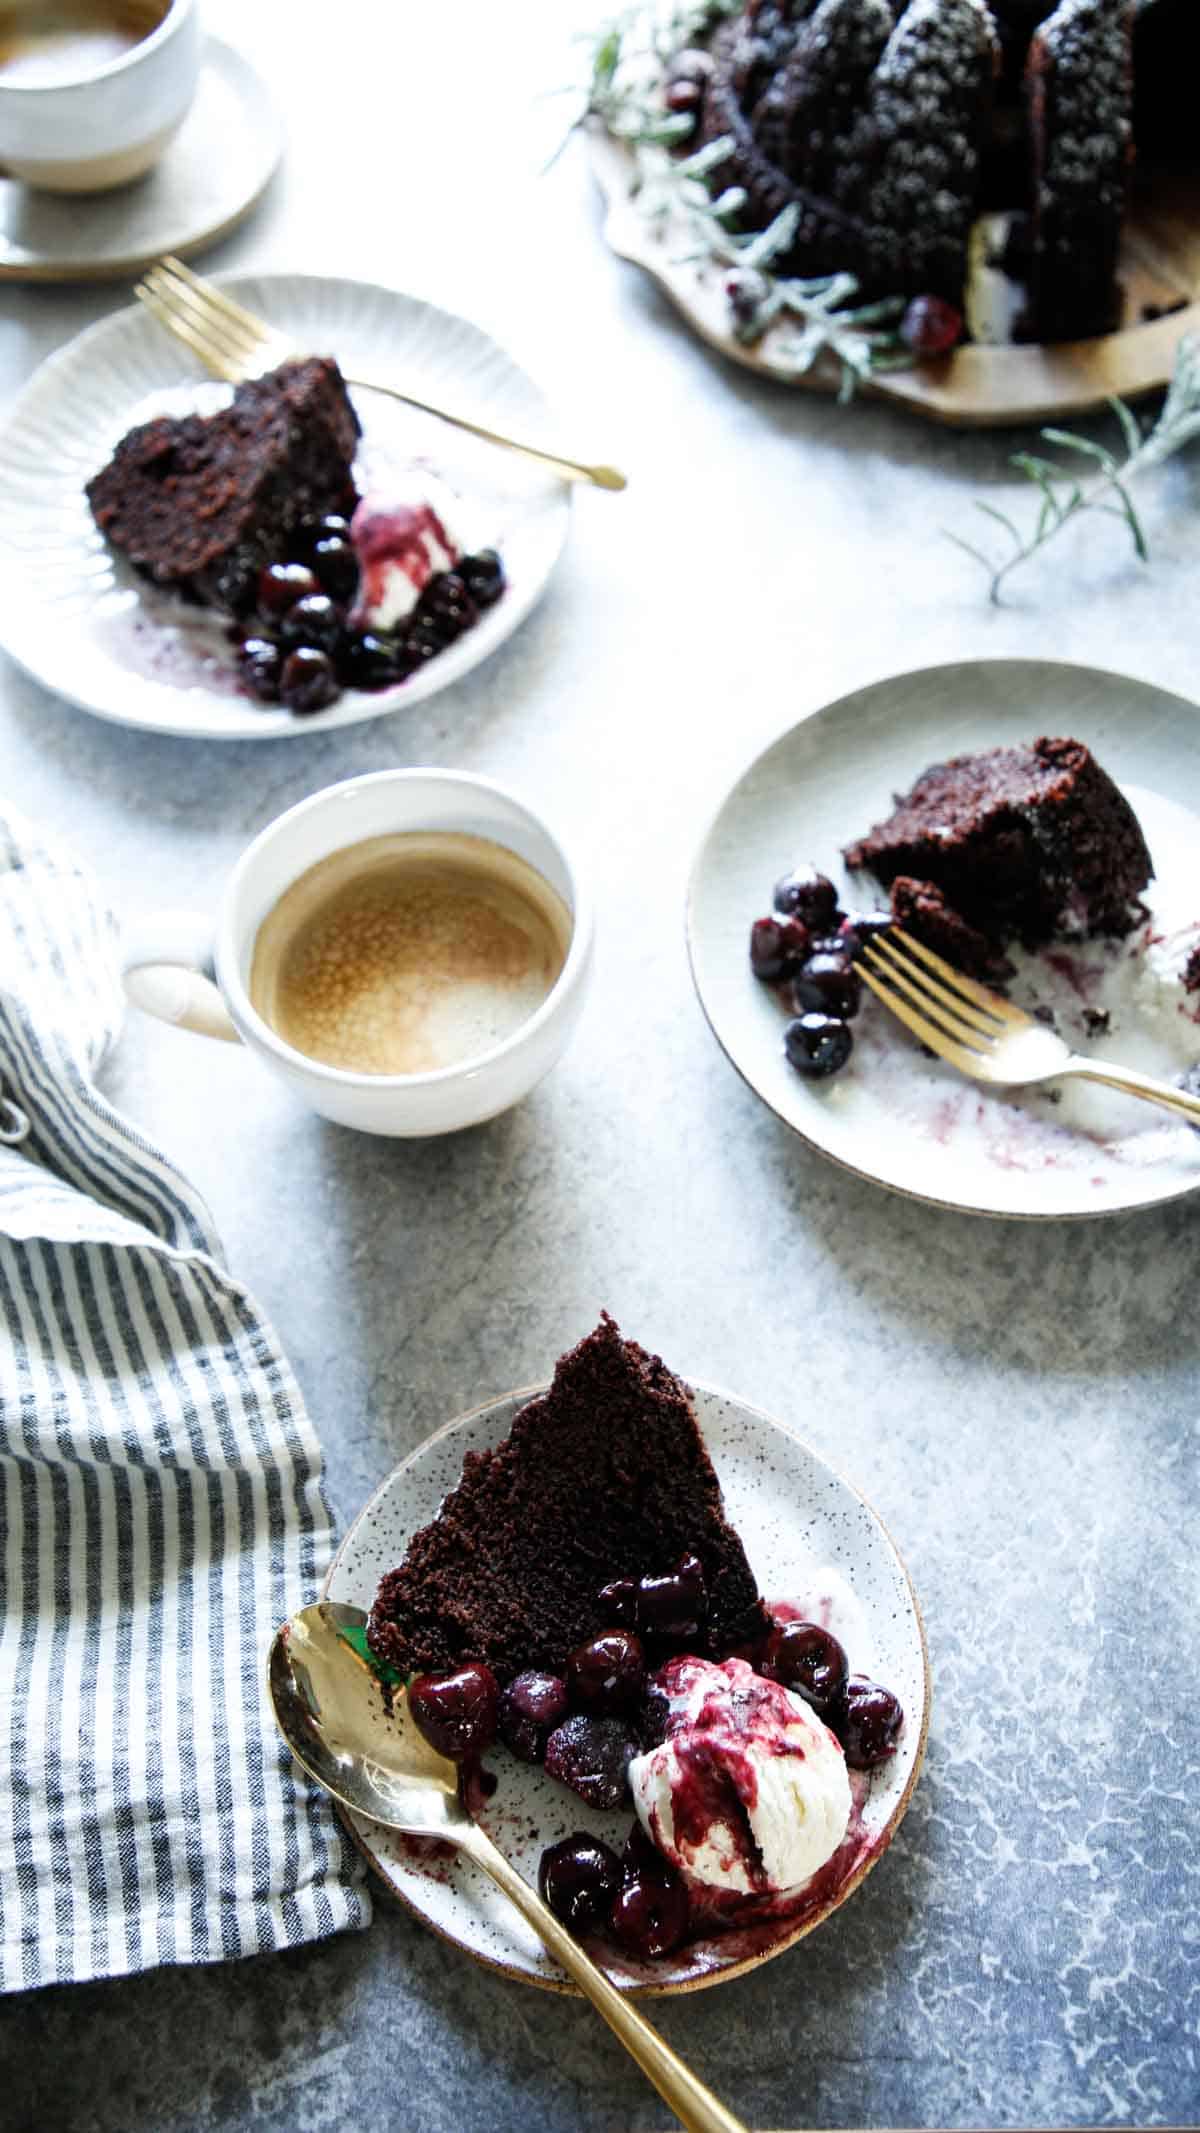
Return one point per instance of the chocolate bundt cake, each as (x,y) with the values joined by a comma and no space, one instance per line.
(888,125)
(1020,843)
(202,502)
(604,1476)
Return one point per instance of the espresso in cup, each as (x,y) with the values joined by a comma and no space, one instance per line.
(44,42)
(409,953)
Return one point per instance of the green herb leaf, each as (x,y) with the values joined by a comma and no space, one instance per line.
(1062,495)
(356,1638)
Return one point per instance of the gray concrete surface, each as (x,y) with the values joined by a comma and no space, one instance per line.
(1020,1403)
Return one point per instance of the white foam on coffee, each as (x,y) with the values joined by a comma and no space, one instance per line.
(409,953)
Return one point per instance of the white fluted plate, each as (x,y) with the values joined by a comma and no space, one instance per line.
(796,1518)
(88,628)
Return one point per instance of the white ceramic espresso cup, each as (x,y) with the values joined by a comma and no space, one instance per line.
(196,974)
(111,124)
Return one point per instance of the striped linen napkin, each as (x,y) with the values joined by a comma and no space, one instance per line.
(161,1509)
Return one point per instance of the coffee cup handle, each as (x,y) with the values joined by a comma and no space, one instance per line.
(167,970)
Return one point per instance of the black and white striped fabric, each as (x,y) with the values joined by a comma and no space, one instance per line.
(161,1509)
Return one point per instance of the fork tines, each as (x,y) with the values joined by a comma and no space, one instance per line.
(938,1003)
(230,340)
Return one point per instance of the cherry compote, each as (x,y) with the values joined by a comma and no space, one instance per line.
(579,1878)
(869,1723)
(457,1712)
(805,1657)
(608,1673)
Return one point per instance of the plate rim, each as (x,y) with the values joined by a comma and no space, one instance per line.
(217,52)
(520,605)
(871,1177)
(671,1989)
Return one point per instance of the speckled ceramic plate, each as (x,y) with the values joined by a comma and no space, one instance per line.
(84,625)
(894,1114)
(797,1518)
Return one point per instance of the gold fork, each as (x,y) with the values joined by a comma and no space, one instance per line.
(984,1035)
(234,344)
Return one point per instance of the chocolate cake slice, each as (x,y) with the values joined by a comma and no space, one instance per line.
(604,1476)
(201,503)
(1024,842)
(922,910)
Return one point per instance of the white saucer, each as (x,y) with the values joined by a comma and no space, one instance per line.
(84,625)
(211,175)
(796,1518)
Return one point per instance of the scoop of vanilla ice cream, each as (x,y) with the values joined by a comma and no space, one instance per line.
(403,537)
(748,1791)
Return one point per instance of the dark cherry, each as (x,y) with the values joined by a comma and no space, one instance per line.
(448,601)
(331,526)
(682,96)
(807,894)
(778,946)
(579,1878)
(827,984)
(868,1724)
(280,585)
(818,1044)
(307,681)
(483,576)
(365,661)
(530,1708)
(654,1714)
(336,568)
(608,1673)
(804,1657)
(260,660)
(457,1712)
(618,1602)
(592,1756)
(314,620)
(650,1915)
(673,1607)
(860,928)
(930,327)
(422,641)
(747,290)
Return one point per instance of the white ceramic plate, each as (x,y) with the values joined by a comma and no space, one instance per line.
(894,1115)
(211,175)
(796,1517)
(85,626)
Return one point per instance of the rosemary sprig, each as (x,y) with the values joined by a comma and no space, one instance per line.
(1066,496)
(683,193)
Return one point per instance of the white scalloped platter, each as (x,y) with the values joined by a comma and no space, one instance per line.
(895,1114)
(88,628)
(797,1519)
(979,386)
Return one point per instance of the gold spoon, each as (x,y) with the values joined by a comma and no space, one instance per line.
(331,1711)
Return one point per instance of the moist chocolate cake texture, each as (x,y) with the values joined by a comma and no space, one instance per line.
(604,1476)
(1014,843)
(887,126)
(201,503)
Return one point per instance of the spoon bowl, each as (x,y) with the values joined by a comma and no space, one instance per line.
(358,1739)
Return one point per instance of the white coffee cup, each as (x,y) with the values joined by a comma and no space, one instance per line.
(111,123)
(190,972)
